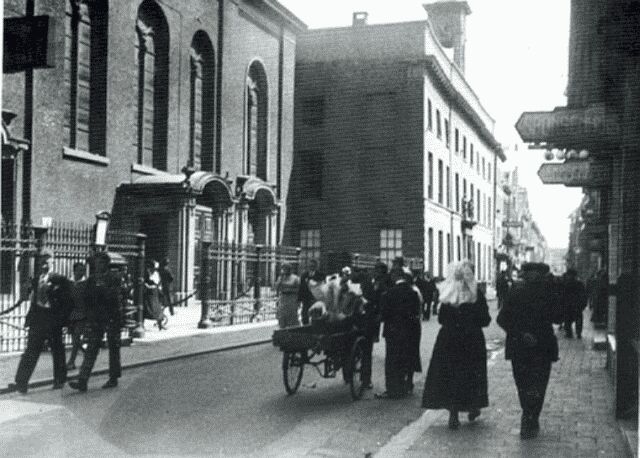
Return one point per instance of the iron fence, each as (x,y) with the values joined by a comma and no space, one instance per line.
(70,243)
(238,284)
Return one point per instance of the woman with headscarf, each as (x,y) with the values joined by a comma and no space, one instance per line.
(287,287)
(457,375)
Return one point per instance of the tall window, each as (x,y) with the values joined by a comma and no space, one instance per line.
(430,247)
(430,171)
(478,262)
(440,182)
(390,245)
(438,124)
(85,73)
(489,172)
(478,207)
(448,190)
(471,195)
(310,245)
(457,192)
(464,148)
(456,140)
(429,115)
(447,136)
(490,209)
(458,248)
(202,98)
(484,176)
(449,249)
(311,176)
(440,254)
(153,83)
(471,154)
(256,121)
(464,188)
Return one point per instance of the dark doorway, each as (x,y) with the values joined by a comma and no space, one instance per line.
(156,229)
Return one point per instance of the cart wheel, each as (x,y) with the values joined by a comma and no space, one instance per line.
(292,369)
(355,368)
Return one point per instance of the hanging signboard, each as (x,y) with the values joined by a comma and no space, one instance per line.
(575,174)
(570,127)
(28,43)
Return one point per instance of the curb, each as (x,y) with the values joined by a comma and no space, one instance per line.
(40,383)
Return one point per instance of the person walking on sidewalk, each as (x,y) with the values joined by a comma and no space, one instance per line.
(574,301)
(78,315)
(51,303)
(153,295)
(103,301)
(402,328)
(457,375)
(166,280)
(531,344)
(287,287)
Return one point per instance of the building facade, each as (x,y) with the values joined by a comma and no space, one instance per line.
(394,154)
(176,117)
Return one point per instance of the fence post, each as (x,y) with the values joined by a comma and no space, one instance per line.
(204,322)
(138,332)
(39,233)
(256,284)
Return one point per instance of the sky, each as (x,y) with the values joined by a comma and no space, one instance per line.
(517,60)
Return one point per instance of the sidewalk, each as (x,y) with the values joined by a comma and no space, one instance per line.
(577,419)
(181,339)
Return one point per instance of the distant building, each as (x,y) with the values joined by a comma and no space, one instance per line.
(394,154)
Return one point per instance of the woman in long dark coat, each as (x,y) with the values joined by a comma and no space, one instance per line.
(457,375)
(153,294)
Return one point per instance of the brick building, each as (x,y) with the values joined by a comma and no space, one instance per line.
(394,154)
(141,89)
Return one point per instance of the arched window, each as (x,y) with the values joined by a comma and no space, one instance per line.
(85,74)
(153,81)
(256,121)
(202,103)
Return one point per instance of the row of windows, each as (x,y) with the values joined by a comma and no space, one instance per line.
(481,209)
(482,165)
(483,256)
(85,66)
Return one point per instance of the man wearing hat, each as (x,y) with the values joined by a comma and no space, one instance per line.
(103,299)
(51,303)
(531,345)
(400,308)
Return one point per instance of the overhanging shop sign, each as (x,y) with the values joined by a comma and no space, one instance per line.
(574,174)
(570,127)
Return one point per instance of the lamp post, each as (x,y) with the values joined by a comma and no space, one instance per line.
(205,287)
(256,284)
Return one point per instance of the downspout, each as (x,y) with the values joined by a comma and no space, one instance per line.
(218,152)
(279,137)
(28,132)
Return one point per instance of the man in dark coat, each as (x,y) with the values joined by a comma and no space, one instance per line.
(402,329)
(531,344)
(502,288)
(103,305)
(304,293)
(574,301)
(51,304)
(166,279)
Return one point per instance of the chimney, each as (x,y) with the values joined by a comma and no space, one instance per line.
(448,21)
(360,18)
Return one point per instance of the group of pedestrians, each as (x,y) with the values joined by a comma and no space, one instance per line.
(88,306)
(456,378)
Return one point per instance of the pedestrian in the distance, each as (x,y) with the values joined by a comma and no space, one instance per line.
(531,344)
(457,375)
(402,328)
(103,299)
(502,288)
(51,304)
(287,287)
(305,295)
(77,318)
(166,280)
(428,295)
(153,295)
(574,301)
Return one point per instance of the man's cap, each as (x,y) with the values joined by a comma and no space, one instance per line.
(539,267)
(47,253)
(346,271)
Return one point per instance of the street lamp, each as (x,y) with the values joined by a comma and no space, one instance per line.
(102,224)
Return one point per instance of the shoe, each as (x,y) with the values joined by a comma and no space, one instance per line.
(80,385)
(57,386)
(111,383)
(528,428)
(473,414)
(71,367)
(385,395)
(454,423)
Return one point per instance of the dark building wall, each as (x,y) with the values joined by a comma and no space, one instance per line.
(370,141)
(74,190)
